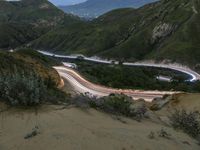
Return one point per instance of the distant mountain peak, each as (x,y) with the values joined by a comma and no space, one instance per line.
(95,8)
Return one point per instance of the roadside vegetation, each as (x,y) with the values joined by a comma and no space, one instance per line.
(124,77)
(189,122)
(27,79)
(116,104)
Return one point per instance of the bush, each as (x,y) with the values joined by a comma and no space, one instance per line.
(56,96)
(28,89)
(116,104)
(83,101)
(22,89)
(164,134)
(120,104)
(187,121)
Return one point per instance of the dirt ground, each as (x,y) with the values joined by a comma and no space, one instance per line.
(72,128)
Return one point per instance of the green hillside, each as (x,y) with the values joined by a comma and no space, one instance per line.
(15,34)
(26,20)
(36,12)
(169,29)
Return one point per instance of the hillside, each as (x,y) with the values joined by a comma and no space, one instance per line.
(16,34)
(161,31)
(35,12)
(95,8)
(27,78)
(25,20)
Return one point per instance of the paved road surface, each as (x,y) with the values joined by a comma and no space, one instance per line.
(81,85)
(193,75)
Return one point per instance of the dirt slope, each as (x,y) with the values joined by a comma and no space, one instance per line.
(76,129)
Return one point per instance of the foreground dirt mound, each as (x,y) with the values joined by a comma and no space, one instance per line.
(55,128)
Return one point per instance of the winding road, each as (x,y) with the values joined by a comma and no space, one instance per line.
(81,85)
(194,76)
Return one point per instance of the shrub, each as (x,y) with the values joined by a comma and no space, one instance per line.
(164,134)
(186,121)
(28,89)
(151,135)
(22,89)
(115,103)
(120,104)
(83,101)
(56,96)
(161,133)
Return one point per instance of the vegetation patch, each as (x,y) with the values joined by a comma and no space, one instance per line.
(28,79)
(117,104)
(125,77)
(189,122)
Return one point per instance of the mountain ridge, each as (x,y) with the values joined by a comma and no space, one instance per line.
(25,20)
(163,30)
(95,8)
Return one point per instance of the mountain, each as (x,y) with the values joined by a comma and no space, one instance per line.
(35,12)
(25,20)
(95,8)
(66,2)
(165,30)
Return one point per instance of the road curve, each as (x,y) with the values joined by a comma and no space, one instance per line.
(194,76)
(81,85)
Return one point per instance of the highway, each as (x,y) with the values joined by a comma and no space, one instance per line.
(194,76)
(81,85)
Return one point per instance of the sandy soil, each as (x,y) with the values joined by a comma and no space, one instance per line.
(189,102)
(77,129)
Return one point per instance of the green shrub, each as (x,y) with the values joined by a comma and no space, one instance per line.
(84,101)
(187,121)
(120,104)
(22,89)
(115,103)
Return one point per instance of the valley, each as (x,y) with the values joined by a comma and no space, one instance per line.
(137,76)
(123,75)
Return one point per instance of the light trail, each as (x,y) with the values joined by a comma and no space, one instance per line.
(81,85)
(194,75)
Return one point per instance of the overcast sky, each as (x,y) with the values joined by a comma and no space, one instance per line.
(66,2)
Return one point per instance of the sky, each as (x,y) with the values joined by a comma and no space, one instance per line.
(66,2)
